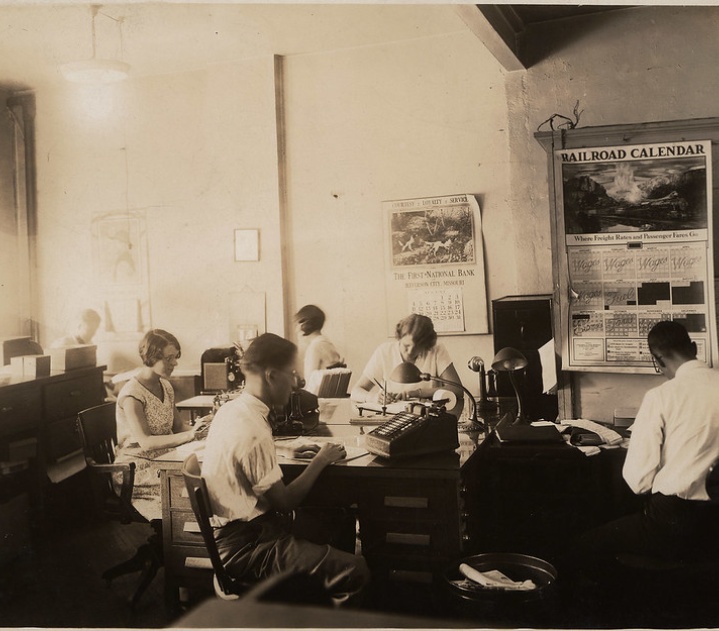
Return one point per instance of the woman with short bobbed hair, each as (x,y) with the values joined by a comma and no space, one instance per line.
(148,421)
(415,342)
(319,352)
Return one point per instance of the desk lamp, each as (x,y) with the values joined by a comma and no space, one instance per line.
(510,360)
(407,372)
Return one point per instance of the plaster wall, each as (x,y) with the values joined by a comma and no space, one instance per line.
(634,65)
(406,119)
(175,149)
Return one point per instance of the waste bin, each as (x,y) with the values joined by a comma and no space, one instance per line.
(505,607)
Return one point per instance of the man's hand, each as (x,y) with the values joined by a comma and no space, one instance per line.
(331,452)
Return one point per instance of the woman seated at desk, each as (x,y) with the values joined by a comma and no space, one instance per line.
(148,423)
(415,342)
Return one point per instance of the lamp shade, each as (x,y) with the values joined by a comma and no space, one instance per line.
(95,71)
(407,372)
(509,359)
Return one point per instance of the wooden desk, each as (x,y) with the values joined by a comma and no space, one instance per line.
(411,512)
(37,421)
(540,496)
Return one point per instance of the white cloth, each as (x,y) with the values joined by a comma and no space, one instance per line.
(240,461)
(320,353)
(387,357)
(146,494)
(675,437)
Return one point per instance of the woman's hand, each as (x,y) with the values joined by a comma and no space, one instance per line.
(384,398)
(201,427)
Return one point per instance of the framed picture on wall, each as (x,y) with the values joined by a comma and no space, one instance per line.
(247,245)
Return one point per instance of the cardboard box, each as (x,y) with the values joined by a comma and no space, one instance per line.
(30,366)
(71,357)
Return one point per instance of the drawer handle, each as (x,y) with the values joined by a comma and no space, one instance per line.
(191,526)
(406,502)
(7,408)
(408,538)
(202,563)
(411,576)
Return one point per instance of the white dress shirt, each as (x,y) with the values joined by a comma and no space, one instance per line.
(240,462)
(675,437)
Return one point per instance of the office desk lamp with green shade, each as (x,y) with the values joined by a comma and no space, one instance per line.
(406,372)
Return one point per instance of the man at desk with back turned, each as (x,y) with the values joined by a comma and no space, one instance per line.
(253,508)
(674,443)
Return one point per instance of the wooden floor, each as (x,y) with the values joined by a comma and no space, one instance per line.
(53,579)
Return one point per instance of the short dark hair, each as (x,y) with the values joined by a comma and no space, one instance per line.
(670,338)
(267,351)
(310,318)
(421,329)
(153,343)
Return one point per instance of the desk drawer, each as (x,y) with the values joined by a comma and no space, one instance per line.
(411,499)
(413,537)
(179,497)
(69,397)
(182,561)
(20,410)
(185,529)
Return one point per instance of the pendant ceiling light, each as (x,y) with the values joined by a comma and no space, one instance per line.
(96,70)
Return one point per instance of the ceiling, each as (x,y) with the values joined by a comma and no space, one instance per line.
(38,36)
(537,13)
(165,38)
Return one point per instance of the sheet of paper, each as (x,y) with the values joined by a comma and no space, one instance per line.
(286,447)
(549,367)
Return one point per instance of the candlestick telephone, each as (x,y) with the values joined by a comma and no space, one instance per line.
(420,430)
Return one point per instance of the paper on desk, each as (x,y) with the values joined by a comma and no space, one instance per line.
(287,447)
(549,367)
(66,467)
(193,447)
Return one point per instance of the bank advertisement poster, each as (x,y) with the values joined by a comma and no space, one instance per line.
(637,229)
(435,263)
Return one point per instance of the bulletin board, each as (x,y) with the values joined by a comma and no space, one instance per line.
(435,263)
(633,231)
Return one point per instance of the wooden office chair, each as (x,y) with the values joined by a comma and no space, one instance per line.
(226,586)
(684,585)
(98,431)
(287,587)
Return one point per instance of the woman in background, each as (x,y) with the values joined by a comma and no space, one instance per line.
(148,421)
(415,342)
(320,353)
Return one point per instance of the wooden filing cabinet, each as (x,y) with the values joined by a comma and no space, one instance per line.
(186,561)
(37,418)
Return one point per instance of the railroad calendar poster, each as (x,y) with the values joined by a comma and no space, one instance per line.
(435,263)
(637,228)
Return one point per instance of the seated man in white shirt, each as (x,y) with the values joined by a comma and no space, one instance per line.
(257,534)
(674,443)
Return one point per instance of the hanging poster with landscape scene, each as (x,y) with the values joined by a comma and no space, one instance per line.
(637,225)
(436,262)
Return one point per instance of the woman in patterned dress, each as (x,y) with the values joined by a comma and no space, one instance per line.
(148,423)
